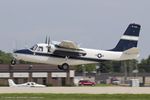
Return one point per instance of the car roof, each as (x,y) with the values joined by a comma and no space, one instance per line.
(84,80)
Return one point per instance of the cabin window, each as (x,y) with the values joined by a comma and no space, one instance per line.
(40,48)
(48,48)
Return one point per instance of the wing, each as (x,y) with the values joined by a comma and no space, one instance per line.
(68,48)
(68,44)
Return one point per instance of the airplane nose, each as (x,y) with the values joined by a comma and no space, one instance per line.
(17,51)
(14,54)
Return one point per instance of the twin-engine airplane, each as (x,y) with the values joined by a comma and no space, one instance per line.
(68,53)
(28,84)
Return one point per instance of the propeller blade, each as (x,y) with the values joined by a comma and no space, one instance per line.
(49,41)
(46,40)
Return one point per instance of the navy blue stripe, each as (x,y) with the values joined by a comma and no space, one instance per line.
(26,51)
(124,45)
(133,30)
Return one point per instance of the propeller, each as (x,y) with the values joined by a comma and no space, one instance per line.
(49,41)
(46,40)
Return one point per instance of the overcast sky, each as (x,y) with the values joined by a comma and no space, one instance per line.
(95,24)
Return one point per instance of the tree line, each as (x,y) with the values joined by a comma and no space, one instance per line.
(117,66)
(104,67)
(5,58)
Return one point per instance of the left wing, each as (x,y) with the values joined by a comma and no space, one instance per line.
(69,49)
(68,44)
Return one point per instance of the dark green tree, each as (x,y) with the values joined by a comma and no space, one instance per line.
(144,65)
(5,58)
(87,67)
(106,67)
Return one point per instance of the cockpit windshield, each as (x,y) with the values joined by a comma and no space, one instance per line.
(34,47)
(37,48)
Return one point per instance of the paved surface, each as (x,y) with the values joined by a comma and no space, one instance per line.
(79,90)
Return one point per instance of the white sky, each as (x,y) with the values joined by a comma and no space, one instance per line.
(95,24)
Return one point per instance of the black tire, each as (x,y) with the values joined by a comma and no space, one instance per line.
(60,67)
(65,66)
(13,62)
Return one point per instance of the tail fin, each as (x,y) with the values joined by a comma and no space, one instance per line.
(129,38)
(11,83)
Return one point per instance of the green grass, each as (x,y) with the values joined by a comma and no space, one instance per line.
(74,96)
(103,85)
(100,85)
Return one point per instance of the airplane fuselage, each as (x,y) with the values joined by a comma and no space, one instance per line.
(92,56)
(68,53)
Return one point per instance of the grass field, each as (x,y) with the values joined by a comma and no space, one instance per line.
(74,96)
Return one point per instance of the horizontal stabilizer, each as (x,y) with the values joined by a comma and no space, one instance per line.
(131,53)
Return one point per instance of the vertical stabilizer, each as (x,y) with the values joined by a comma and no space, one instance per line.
(11,83)
(129,39)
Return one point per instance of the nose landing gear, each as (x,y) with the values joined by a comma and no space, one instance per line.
(13,61)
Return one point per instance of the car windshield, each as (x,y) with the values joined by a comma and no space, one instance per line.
(84,81)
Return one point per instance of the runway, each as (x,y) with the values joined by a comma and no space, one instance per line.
(78,90)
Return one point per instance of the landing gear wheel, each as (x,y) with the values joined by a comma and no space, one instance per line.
(60,67)
(13,62)
(65,66)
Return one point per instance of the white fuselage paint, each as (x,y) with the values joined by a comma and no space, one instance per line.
(91,54)
(128,37)
(90,57)
(68,52)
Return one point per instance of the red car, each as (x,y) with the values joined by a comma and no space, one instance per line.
(86,82)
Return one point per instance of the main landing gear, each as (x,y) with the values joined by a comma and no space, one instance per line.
(64,66)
